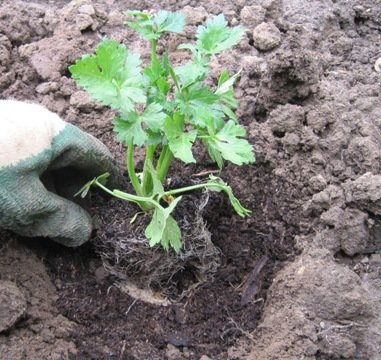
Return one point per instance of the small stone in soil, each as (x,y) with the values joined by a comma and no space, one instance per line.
(12,305)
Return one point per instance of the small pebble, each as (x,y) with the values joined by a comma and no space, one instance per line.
(377,65)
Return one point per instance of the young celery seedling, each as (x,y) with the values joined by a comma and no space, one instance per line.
(167,109)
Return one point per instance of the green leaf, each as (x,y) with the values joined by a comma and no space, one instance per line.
(191,73)
(111,76)
(171,235)
(190,47)
(163,228)
(158,74)
(139,14)
(154,138)
(224,76)
(225,83)
(129,127)
(228,99)
(167,21)
(142,23)
(197,103)
(157,186)
(155,71)
(229,113)
(154,117)
(163,85)
(214,154)
(152,27)
(220,185)
(132,125)
(180,141)
(217,36)
(231,146)
(200,94)
(102,179)
(225,92)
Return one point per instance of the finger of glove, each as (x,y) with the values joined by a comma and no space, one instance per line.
(75,148)
(28,209)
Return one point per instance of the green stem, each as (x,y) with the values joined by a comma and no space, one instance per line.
(149,199)
(174,77)
(150,152)
(190,188)
(153,51)
(131,168)
(142,201)
(165,163)
(149,203)
(147,179)
(161,157)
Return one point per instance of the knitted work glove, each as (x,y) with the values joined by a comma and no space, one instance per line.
(43,162)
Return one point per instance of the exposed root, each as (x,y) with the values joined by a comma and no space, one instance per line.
(128,257)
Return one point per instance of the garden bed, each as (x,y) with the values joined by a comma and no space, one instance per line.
(299,279)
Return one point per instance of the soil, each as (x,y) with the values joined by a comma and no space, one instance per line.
(300,278)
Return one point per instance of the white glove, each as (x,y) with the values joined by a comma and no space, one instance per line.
(41,157)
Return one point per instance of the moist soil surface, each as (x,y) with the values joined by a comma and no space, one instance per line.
(300,278)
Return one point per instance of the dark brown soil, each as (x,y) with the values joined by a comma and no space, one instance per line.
(300,278)
(111,324)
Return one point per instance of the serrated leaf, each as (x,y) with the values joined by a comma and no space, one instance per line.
(111,76)
(225,83)
(191,73)
(229,143)
(198,104)
(229,113)
(158,74)
(215,155)
(228,99)
(217,36)
(163,85)
(154,138)
(225,92)
(181,146)
(220,185)
(155,229)
(133,126)
(167,21)
(202,94)
(163,228)
(172,235)
(180,141)
(152,27)
(129,127)
(154,117)
(142,23)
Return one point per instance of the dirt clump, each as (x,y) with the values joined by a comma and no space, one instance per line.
(28,296)
(13,305)
(311,105)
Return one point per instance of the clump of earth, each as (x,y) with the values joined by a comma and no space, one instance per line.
(300,278)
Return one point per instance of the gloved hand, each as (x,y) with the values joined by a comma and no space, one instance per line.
(41,157)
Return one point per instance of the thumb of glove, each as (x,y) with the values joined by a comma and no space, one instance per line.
(34,211)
